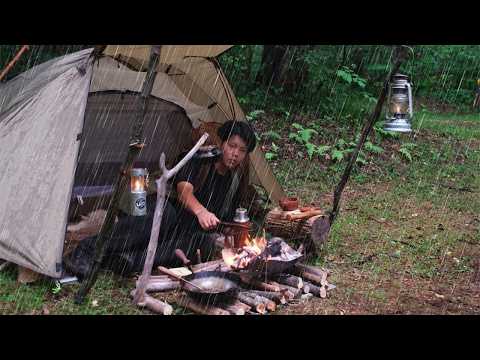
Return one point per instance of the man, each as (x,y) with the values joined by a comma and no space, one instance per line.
(206,191)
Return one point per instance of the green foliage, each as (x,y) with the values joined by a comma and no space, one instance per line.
(406,151)
(273,154)
(272,135)
(350,77)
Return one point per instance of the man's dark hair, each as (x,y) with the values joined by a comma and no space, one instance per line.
(240,128)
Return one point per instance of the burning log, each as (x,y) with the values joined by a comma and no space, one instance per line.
(153,304)
(290,280)
(203,309)
(277,297)
(256,305)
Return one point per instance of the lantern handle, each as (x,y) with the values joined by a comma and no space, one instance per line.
(410,100)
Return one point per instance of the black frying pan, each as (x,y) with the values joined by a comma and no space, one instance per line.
(216,285)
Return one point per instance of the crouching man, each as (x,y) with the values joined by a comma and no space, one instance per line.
(206,191)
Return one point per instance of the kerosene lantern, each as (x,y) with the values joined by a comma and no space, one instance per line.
(400,105)
(134,201)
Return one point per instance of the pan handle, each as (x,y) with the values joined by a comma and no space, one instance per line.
(175,276)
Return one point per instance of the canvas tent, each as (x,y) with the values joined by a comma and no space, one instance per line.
(65,126)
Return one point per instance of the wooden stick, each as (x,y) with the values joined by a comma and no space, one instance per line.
(202,309)
(269,304)
(209,266)
(157,217)
(158,286)
(295,291)
(234,309)
(309,269)
(278,297)
(318,280)
(399,56)
(290,280)
(14,60)
(318,291)
(259,285)
(154,305)
(256,305)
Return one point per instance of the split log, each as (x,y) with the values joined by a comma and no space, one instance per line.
(259,285)
(318,291)
(202,309)
(256,305)
(211,266)
(154,305)
(317,280)
(290,280)
(234,309)
(269,304)
(277,224)
(310,269)
(295,291)
(278,297)
(163,286)
(239,304)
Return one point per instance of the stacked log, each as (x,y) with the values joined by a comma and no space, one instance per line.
(291,225)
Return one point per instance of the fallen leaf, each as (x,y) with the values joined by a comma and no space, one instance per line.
(439,296)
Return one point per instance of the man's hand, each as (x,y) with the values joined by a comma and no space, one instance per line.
(207,220)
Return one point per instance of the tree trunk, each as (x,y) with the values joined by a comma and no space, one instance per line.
(273,59)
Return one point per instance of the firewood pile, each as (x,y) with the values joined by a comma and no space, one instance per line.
(254,297)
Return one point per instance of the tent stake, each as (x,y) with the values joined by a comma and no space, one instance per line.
(136,144)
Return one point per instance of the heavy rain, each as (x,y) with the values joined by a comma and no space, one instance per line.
(335,179)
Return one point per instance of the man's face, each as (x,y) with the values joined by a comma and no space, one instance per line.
(234,151)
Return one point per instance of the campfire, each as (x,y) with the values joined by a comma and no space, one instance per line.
(240,258)
(268,273)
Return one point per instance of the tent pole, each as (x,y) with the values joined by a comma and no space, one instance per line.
(14,60)
(136,144)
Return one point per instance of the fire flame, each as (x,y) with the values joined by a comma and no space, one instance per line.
(240,258)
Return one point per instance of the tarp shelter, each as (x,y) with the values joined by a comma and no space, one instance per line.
(65,125)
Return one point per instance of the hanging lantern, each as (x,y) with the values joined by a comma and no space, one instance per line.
(134,201)
(400,105)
